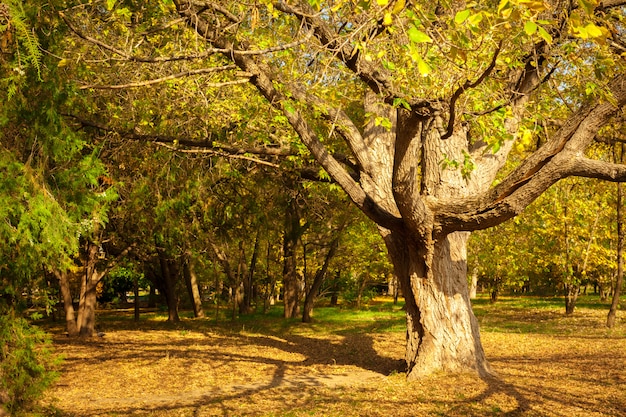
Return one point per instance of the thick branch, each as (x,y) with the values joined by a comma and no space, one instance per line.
(591,168)
(218,153)
(208,143)
(341,123)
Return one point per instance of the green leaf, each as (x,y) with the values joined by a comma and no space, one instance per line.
(288,106)
(462,16)
(111,4)
(399,101)
(530,27)
(544,34)
(475,19)
(125,12)
(417,36)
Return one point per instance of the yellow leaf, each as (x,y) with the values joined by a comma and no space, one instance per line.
(382,3)
(593,31)
(387,20)
(398,6)
(423,68)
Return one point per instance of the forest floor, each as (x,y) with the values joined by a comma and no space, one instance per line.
(347,363)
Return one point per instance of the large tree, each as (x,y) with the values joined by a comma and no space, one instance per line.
(436,118)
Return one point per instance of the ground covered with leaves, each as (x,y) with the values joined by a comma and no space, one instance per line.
(347,362)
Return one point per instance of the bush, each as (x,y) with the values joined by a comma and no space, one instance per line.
(26,364)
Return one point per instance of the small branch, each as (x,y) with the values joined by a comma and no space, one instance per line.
(218,153)
(466,86)
(173,77)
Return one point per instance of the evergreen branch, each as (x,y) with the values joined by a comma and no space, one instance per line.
(25,35)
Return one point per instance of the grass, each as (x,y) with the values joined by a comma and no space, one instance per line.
(347,362)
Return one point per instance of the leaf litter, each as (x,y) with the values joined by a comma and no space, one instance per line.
(577,368)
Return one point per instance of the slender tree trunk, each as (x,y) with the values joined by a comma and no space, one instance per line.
(136,294)
(291,283)
(248,279)
(320,274)
(68,305)
(169,281)
(152,296)
(571,296)
(192,286)
(435,294)
(473,285)
(610,320)
(396,290)
(86,321)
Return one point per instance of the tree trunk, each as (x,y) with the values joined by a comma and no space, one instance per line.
(495,289)
(248,279)
(152,297)
(87,307)
(86,321)
(136,300)
(291,283)
(192,287)
(442,331)
(68,305)
(169,281)
(610,320)
(571,296)
(320,274)
(473,285)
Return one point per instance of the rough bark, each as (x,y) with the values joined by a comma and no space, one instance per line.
(86,320)
(571,296)
(442,331)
